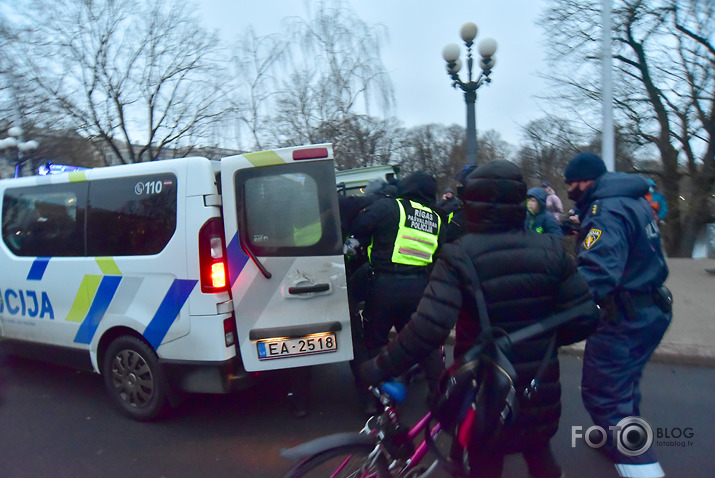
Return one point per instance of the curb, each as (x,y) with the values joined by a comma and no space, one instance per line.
(665,353)
(677,354)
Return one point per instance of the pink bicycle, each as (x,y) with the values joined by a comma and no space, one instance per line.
(383,448)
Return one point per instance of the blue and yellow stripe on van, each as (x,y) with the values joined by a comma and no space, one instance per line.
(97,293)
(236,258)
(37,270)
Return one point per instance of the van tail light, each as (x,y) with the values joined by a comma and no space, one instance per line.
(212,257)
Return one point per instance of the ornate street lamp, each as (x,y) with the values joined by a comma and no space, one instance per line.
(14,141)
(487,48)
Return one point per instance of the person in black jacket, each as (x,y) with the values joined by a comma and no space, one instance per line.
(403,235)
(525,277)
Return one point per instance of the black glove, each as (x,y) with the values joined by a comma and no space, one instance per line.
(371,373)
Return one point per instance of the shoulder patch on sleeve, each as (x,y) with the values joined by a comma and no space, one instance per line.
(591,238)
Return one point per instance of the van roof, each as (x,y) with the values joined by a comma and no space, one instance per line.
(361,176)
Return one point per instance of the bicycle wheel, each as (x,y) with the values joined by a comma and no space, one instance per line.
(346,461)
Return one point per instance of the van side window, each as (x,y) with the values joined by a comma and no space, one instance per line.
(44,221)
(289,207)
(131,216)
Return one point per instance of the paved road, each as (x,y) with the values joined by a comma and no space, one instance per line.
(58,422)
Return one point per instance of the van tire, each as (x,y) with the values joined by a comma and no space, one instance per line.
(134,379)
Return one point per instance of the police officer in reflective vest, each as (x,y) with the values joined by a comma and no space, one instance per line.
(621,258)
(402,236)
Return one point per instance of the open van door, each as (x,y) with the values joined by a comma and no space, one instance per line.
(285,261)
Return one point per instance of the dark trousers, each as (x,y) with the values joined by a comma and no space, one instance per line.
(391,299)
(613,363)
(485,462)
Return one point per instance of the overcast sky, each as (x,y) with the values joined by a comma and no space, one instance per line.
(418,31)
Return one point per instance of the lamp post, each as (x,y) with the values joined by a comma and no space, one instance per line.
(14,141)
(450,53)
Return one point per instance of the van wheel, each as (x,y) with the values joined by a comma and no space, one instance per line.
(133,378)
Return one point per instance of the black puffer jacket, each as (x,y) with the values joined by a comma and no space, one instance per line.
(525,276)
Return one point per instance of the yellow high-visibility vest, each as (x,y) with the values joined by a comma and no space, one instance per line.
(417,235)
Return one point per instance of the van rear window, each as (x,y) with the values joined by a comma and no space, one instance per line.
(283,211)
(289,210)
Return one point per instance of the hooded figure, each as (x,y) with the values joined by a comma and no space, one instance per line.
(657,201)
(537,217)
(449,202)
(525,277)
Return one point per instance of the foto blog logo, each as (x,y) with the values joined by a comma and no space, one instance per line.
(632,436)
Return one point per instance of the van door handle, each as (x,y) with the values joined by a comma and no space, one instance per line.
(308,289)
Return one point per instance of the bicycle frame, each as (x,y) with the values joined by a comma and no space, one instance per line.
(377,433)
(420,450)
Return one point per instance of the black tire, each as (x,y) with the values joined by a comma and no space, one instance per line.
(326,463)
(134,379)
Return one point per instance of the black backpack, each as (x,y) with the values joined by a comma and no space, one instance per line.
(478,397)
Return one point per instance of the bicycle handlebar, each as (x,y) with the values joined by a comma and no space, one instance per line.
(396,390)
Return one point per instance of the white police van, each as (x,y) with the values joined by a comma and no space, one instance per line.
(352,182)
(178,275)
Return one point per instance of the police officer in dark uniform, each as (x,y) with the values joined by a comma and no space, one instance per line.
(621,258)
(402,236)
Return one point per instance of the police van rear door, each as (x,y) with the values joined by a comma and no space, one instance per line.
(285,261)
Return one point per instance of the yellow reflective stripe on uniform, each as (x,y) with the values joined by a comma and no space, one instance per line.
(83,299)
(415,252)
(416,242)
(108,266)
(264,158)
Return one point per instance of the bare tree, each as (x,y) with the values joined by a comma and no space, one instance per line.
(136,77)
(257,61)
(336,75)
(493,147)
(435,149)
(549,143)
(664,91)
(368,141)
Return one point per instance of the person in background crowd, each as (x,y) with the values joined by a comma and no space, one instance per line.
(538,219)
(656,197)
(553,202)
(403,235)
(621,258)
(456,220)
(525,277)
(449,202)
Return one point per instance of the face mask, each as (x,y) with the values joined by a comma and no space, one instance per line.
(575,194)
